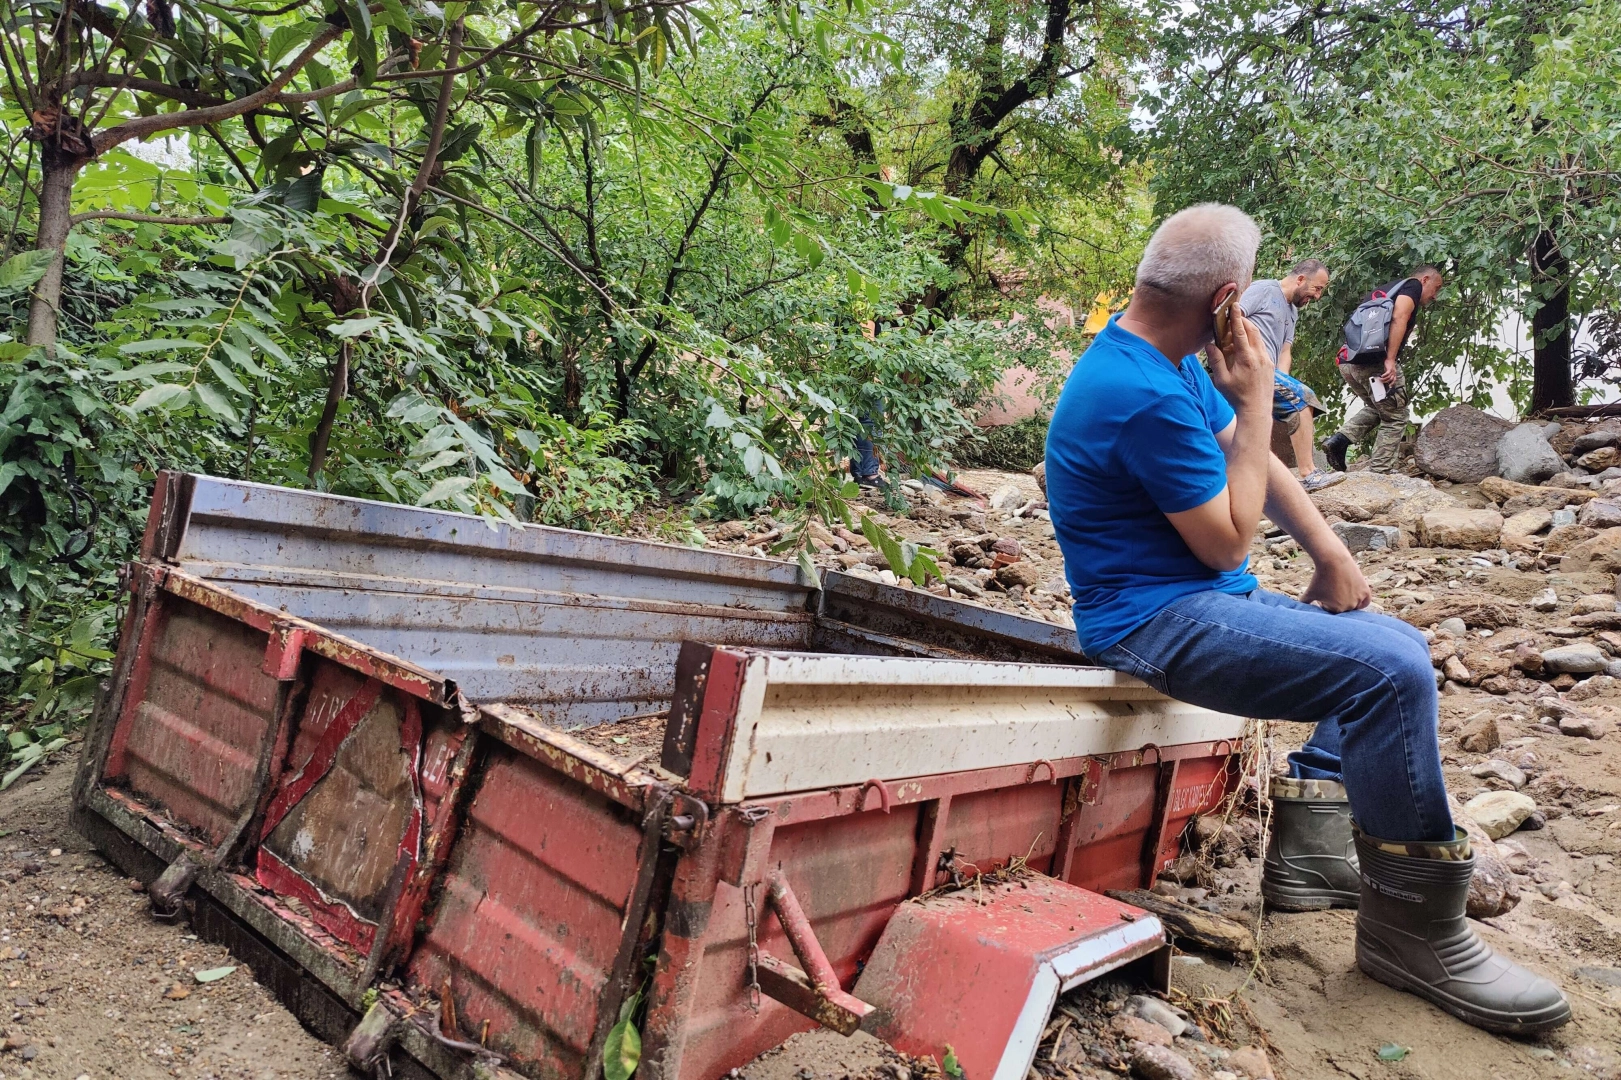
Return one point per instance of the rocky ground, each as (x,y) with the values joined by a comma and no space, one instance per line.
(1515,584)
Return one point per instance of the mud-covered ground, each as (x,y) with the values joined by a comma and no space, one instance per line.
(95,987)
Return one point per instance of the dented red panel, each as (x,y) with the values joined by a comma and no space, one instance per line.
(195,718)
(529,917)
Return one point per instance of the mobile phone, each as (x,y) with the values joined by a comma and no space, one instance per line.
(1224,322)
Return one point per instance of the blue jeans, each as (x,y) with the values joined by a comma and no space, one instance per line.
(864,462)
(1364,679)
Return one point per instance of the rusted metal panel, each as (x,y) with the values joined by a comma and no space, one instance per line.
(530,914)
(348,811)
(196,719)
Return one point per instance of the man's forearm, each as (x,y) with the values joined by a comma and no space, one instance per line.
(1289,507)
(1249,469)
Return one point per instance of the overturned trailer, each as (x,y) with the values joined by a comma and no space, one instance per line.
(490,784)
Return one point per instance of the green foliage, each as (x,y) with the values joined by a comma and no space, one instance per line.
(908,560)
(622,1051)
(950,1065)
(1015,447)
(1381,136)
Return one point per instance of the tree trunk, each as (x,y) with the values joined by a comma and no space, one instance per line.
(336,391)
(55,219)
(1551,384)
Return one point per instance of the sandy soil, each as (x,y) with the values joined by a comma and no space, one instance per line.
(96,987)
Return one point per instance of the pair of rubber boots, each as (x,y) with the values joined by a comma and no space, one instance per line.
(1411,930)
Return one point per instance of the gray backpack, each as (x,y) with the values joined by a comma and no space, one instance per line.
(1367,331)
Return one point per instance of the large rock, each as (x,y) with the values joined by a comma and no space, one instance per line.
(1580,659)
(1460,444)
(1516,498)
(1492,890)
(1593,440)
(1520,532)
(1524,456)
(1563,539)
(1488,612)
(1359,537)
(1458,527)
(1600,514)
(1605,457)
(1499,813)
(1601,552)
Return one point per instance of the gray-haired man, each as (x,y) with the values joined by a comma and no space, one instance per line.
(1157,475)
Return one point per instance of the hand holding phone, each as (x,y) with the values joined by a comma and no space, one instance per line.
(1224,322)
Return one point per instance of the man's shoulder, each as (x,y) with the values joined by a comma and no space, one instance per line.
(1264,289)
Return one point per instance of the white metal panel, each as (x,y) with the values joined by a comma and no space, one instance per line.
(807,721)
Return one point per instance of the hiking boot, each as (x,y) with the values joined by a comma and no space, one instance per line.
(1334,448)
(1318,479)
(1311,856)
(1411,934)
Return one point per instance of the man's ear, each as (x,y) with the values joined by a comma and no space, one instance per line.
(1220,296)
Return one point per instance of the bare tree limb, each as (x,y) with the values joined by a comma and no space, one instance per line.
(150,219)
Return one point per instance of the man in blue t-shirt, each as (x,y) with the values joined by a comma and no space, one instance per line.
(1157,476)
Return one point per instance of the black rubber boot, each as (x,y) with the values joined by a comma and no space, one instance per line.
(1311,855)
(1334,448)
(1411,934)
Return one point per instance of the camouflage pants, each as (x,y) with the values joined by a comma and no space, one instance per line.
(1390,415)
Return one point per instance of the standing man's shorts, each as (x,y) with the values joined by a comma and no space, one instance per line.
(1291,397)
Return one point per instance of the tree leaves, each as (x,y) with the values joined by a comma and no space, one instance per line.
(24,269)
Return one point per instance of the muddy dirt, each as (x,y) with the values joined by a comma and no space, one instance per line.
(95,987)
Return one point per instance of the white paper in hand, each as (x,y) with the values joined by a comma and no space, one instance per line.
(1377,388)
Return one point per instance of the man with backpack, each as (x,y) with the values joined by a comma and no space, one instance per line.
(1374,336)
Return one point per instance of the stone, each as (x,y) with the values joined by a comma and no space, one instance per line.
(1157,1012)
(1594,440)
(1475,530)
(1492,888)
(1006,497)
(1454,626)
(1581,659)
(1600,514)
(1475,609)
(1460,444)
(1250,1061)
(1359,537)
(1134,1029)
(1520,532)
(1524,456)
(1598,460)
(1007,546)
(1593,602)
(964,585)
(1598,620)
(731,531)
(1039,471)
(1527,659)
(1600,552)
(1501,770)
(1480,735)
(1499,813)
(1546,600)
(1563,517)
(1161,1063)
(1584,727)
(1020,573)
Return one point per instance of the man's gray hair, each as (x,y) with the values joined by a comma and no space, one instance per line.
(1198,250)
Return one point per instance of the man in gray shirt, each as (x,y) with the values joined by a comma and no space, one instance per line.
(1274,308)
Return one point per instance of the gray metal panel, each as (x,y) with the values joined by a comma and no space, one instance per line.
(544,649)
(964,628)
(233,522)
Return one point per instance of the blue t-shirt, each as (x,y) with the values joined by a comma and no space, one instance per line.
(1133,438)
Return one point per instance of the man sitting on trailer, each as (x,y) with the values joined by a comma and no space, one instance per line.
(1157,476)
